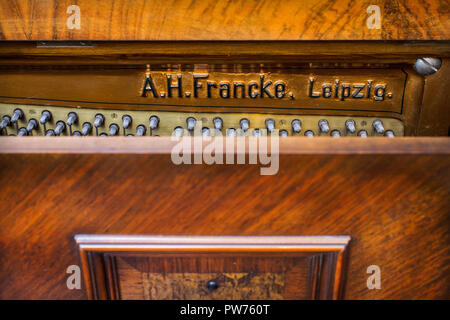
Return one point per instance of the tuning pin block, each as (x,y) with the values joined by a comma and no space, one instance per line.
(60,127)
(46,116)
(126,121)
(296,126)
(140,130)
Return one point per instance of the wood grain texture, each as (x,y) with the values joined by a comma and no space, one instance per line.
(231,20)
(395,207)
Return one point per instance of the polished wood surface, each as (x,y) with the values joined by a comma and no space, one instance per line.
(217,20)
(394,206)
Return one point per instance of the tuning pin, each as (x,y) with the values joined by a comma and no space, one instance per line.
(205,132)
(378,126)
(323,126)
(335,133)
(130,135)
(45,117)
(218,123)
(126,121)
(50,133)
(350,126)
(270,125)
(256,132)
(76,133)
(22,132)
(140,130)
(99,120)
(389,134)
(178,132)
(86,129)
(113,129)
(6,120)
(154,122)
(283,133)
(18,114)
(231,132)
(60,127)
(103,134)
(245,124)
(32,125)
(296,126)
(71,118)
(190,123)
(362,133)
(309,134)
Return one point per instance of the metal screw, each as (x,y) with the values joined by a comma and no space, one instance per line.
(283,133)
(427,66)
(190,122)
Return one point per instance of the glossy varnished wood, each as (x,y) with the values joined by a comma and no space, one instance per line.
(394,206)
(230,20)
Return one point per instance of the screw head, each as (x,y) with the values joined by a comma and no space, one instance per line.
(427,66)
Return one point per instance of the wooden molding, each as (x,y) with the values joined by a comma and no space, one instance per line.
(303,266)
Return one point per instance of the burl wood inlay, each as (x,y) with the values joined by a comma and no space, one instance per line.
(223,20)
(192,286)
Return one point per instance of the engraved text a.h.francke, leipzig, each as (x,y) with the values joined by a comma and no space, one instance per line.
(363,90)
(201,84)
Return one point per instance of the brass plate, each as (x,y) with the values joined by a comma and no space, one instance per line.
(170,120)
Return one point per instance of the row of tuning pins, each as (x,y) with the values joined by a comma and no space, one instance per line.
(72,118)
(296,127)
(218,126)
